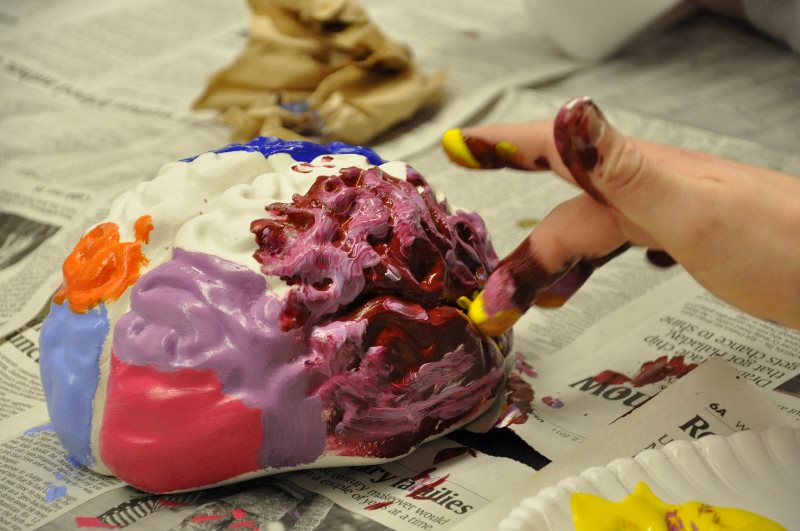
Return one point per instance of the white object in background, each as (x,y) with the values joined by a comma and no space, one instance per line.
(758,471)
(592,29)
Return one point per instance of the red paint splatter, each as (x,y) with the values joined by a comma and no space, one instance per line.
(419,492)
(378,505)
(207,517)
(523,367)
(519,402)
(93,522)
(238,513)
(451,453)
(650,372)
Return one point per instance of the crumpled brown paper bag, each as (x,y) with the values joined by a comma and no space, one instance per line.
(317,69)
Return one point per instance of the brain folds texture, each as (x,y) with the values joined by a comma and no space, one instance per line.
(268,307)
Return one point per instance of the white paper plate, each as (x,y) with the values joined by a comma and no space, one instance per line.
(756,471)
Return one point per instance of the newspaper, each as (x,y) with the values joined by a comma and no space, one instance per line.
(96,98)
(709,400)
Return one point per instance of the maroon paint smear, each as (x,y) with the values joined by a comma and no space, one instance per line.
(451,453)
(487,156)
(650,372)
(419,493)
(523,367)
(519,402)
(528,274)
(566,286)
(577,129)
(378,505)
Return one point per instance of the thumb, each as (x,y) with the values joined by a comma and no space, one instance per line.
(612,169)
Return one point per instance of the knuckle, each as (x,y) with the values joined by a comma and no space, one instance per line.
(625,169)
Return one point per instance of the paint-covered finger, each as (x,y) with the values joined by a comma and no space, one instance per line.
(524,146)
(616,171)
(559,293)
(577,230)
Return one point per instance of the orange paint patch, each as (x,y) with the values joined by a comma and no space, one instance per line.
(101,267)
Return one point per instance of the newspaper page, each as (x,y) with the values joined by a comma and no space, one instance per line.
(709,400)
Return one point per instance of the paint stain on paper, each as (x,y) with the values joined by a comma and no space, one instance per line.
(527,223)
(650,372)
(378,505)
(39,429)
(55,492)
(92,522)
(553,402)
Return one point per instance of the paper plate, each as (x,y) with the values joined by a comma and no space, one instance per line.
(756,471)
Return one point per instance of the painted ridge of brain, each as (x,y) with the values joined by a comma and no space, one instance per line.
(268,307)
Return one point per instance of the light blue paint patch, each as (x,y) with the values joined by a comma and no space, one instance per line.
(55,492)
(39,429)
(70,345)
(59,475)
(72,462)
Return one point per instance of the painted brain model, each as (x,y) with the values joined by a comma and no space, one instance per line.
(271,306)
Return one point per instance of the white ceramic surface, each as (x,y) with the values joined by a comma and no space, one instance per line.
(756,471)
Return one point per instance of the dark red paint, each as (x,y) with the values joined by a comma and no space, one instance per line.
(487,155)
(650,372)
(577,129)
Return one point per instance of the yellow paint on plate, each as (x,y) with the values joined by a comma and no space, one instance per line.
(644,511)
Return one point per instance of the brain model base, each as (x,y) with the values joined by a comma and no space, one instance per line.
(271,306)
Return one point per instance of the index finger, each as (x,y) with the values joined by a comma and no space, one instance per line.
(523,146)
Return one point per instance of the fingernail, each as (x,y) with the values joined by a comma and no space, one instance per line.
(578,128)
(474,152)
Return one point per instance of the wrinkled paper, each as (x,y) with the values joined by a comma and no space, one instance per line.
(319,70)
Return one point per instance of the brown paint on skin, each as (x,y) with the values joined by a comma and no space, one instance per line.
(660,258)
(560,292)
(486,154)
(541,164)
(528,274)
(577,129)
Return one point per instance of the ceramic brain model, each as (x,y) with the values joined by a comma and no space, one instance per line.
(268,307)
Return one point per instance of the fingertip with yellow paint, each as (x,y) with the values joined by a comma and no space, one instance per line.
(456,148)
(489,325)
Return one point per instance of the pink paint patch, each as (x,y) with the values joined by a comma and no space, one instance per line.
(207,517)
(378,505)
(92,522)
(553,402)
(168,431)
(239,513)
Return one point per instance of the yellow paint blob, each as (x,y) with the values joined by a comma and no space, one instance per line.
(643,511)
(488,325)
(455,147)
